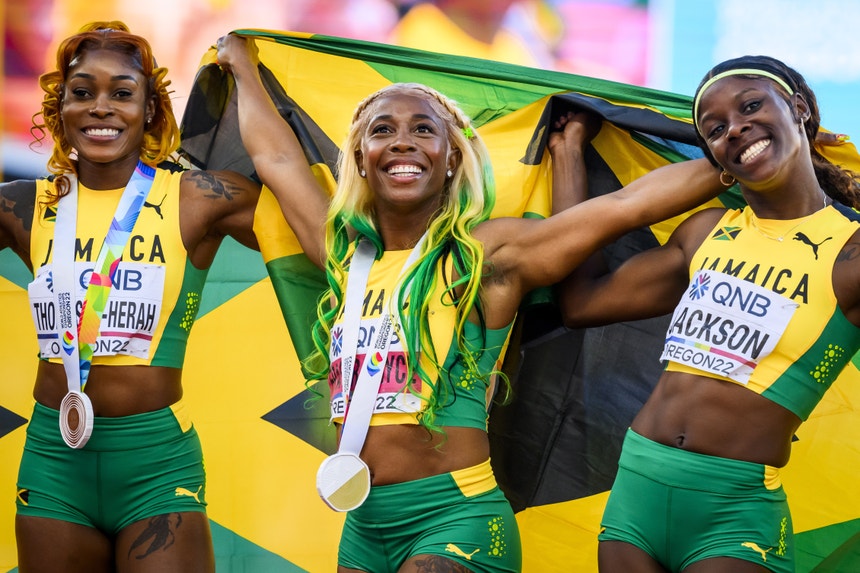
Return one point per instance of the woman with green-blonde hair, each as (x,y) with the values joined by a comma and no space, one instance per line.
(119,241)
(424,289)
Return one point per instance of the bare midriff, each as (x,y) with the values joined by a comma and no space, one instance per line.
(114,390)
(716,418)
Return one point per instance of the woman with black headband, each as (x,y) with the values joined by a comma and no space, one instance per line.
(766,306)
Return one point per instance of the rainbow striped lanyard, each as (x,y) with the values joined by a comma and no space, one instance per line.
(78,335)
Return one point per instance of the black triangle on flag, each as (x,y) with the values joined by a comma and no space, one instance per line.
(9,421)
(306,416)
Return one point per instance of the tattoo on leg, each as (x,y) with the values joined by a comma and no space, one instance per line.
(438,564)
(158,534)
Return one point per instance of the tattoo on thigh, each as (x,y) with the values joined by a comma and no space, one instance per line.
(438,564)
(158,535)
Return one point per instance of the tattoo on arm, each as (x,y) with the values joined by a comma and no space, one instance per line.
(158,534)
(849,252)
(20,201)
(213,187)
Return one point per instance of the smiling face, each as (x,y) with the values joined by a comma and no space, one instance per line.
(752,131)
(405,152)
(104,108)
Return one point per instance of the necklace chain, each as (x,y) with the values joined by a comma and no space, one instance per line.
(781,237)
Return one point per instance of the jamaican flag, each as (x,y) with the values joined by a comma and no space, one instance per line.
(554,444)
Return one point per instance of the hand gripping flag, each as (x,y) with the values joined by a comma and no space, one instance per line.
(555,444)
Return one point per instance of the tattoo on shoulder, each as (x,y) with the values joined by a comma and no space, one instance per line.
(213,187)
(850,252)
(158,535)
(19,200)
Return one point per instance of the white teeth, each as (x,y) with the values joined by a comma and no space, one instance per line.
(404,170)
(754,150)
(102,132)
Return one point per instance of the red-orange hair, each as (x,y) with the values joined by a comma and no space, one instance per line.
(161,137)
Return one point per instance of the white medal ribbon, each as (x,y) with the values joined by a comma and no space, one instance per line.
(343,479)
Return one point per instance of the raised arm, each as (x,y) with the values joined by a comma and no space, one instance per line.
(571,133)
(646,285)
(275,150)
(527,253)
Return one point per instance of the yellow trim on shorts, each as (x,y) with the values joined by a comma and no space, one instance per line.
(475,480)
(183,417)
(772,479)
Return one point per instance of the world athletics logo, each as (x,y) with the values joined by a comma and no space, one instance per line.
(374,364)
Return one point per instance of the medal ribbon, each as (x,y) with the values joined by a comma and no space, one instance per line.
(360,405)
(78,346)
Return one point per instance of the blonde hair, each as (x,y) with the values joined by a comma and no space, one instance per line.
(466,200)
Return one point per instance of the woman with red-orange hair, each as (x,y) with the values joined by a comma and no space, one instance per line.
(119,241)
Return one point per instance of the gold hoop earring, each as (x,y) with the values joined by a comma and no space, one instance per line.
(723,181)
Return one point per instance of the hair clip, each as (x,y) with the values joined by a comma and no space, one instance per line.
(467,131)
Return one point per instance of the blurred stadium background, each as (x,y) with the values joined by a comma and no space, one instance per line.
(664,44)
(661,44)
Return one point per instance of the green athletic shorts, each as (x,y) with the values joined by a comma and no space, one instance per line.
(131,468)
(681,507)
(462,516)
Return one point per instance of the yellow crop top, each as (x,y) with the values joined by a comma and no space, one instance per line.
(760,310)
(156,292)
(464,396)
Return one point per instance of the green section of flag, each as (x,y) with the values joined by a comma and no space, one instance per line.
(235,554)
(234,269)
(831,549)
(13,269)
(513,86)
(298,285)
